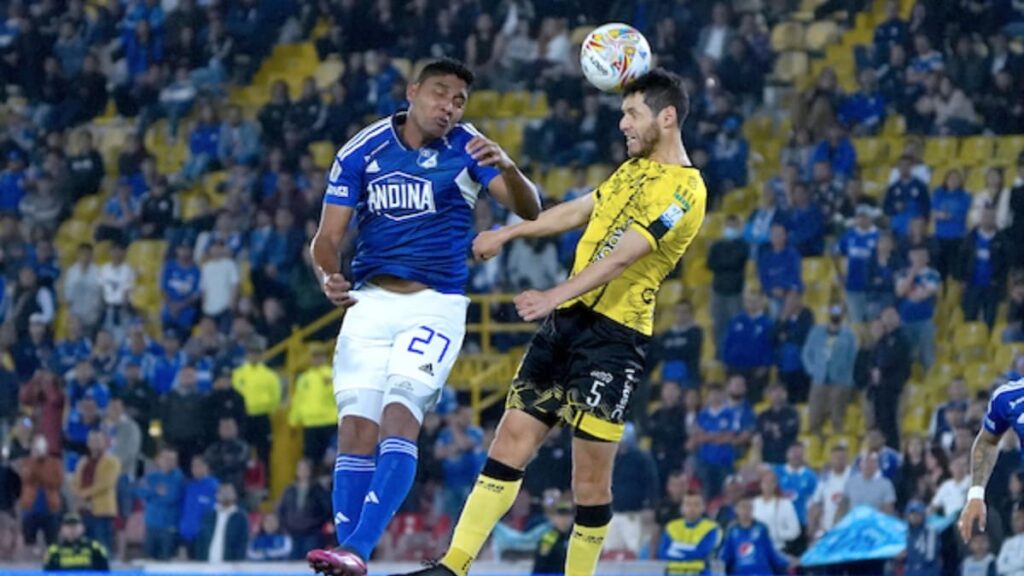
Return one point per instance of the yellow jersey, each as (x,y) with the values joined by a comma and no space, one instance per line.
(665,203)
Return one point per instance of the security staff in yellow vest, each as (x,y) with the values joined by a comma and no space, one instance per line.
(260,388)
(74,552)
(690,542)
(313,408)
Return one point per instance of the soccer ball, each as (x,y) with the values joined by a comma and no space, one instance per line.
(613,55)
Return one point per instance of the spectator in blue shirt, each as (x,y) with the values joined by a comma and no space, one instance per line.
(892,31)
(889,459)
(797,482)
(747,548)
(737,400)
(179,283)
(749,344)
(791,329)
(278,254)
(13,182)
(199,498)
(983,268)
(203,144)
(75,347)
(805,222)
(926,60)
(82,382)
(119,214)
(715,438)
(757,231)
(856,247)
(779,267)
(918,287)
(907,198)
(923,547)
(271,543)
(460,449)
(84,417)
(727,166)
(166,366)
(837,150)
(689,543)
(161,494)
(864,110)
(950,206)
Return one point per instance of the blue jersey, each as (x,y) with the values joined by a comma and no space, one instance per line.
(413,208)
(1006,410)
(858,246)
(797,485)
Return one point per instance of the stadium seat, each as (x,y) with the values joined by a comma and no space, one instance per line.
(328,72)
(89,207)
(404,66)
(940,150)
(510,136)
(977,150)
(758,128)
(787,36)
(598,173)
(538,107)
(1006,354)
(817,270)
(1008,149)
(557,182)
(895,125)
(513,104)
(671,292)
(696,273)
(323,154)
(821,34)
(970,341)
(870,150)
(980,375)
(790,65)
(482,104)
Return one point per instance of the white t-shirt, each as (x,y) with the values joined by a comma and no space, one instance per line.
(217,281)
(828,495)
(779,515)
(951,496)
(118,283)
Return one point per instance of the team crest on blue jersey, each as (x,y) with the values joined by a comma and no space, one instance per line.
(399,196)
(427,158)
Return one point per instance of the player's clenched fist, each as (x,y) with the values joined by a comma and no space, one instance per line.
(337,288)
(487,244)
(488,153)
(534,305)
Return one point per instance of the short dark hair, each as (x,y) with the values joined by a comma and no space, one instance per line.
(661,89)
(446,67)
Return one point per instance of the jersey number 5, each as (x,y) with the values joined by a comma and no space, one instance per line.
(417,344)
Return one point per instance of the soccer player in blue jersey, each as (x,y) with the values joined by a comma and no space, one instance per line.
(410,181)
(1005,411)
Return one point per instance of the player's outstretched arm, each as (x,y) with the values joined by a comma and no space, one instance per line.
(563,217)
(533,304)
(983,459)
(325,251)
(510,187)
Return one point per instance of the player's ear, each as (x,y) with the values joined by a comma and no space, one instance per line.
(410,90)
(667,118)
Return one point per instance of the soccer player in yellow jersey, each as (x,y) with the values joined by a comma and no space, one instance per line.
(584,363)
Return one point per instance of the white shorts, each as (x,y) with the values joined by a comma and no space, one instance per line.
(396,348)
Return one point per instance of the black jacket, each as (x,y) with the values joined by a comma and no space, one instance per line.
(892,359)
(182,414)
(668,438)
(998,248)
(549,558)
(778,430)
(727,260)
(236,536)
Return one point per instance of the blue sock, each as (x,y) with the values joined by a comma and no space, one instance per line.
(396,470)
(352,476)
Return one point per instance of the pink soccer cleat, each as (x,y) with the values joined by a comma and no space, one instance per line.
(336,562)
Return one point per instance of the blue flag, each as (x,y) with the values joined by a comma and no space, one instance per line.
(864,534)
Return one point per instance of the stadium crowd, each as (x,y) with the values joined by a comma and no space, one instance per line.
(101,421)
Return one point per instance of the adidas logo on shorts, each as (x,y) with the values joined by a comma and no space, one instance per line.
(428,368)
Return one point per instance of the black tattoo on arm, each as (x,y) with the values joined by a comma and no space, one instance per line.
(983,458)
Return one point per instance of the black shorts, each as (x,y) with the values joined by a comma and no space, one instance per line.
(581,369)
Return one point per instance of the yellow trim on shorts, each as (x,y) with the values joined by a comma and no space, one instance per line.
(598,428)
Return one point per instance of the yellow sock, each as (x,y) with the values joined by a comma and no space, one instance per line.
(587,539)
(496,489)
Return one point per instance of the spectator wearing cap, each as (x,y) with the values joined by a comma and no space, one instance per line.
(950,205)
(83,290)
(748,348)
(549,557)
(312,406)
(42,476)
(727,261)
(179,283)
(829,355)
(182,410)
(856,247)
(260,387)
(917,287)
(118,281)
(161,493)
(923,547)
(983,266)
(822,513)
(94,485)
(906,198)
(75,552)
(779,267)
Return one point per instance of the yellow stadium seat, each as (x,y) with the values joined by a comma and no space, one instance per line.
(513,103)
(323,154)
(817,270)
(970,341)
(143,254)
(671,292)
(980,375)
(977,150)
(787,36)
(940,150)
(598,173)
(510,136)
(89,207)
(895,125)
(193,205)
(696,273)
(975,181)
(758,128)
(482,104)
(403,65)
(1006,354)
(1008,149)
(791,65)
(870,150)
(538,107)
(557,182)
(820,34)
(328,72)
(580,33)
